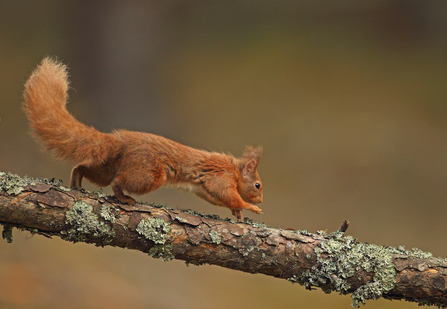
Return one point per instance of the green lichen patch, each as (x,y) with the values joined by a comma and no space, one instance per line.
(415,252)
(85,224)
(62,188)
(338,260)
(304,232)
(162,251)
(215,238)
(249,221)
(100,193)
(13,184)
(108,213)
(264,232)
(155,229)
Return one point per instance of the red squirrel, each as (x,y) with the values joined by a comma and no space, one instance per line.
(135,162)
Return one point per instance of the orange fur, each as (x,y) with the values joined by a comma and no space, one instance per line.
(132,161)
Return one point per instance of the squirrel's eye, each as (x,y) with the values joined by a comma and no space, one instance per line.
(257,185)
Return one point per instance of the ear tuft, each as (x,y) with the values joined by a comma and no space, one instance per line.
(251,152)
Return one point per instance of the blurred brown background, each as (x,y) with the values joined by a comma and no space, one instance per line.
(349,100)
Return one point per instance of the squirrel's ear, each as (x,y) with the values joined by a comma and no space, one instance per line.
(250,167)
(253,156)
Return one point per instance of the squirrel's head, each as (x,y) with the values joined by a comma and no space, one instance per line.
(250,187)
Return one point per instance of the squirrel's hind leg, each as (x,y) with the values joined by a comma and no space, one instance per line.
(99,174)
(77,173)
(137,182)
(117,187)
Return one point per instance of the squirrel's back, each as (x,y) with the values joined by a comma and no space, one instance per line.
(45,99)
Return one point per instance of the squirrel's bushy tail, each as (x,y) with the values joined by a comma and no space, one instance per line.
(45,105)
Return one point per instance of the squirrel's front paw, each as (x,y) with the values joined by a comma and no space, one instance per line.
(255,209)
(238,212)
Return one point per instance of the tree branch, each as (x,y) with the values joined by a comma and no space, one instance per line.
(332,262)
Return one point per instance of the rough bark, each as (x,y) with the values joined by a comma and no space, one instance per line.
(332,262)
